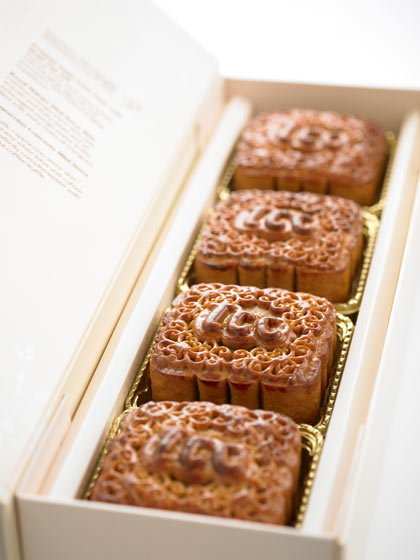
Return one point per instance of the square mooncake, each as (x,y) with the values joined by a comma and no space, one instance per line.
(199,457)
(298,241)
(259,348)
(317,151)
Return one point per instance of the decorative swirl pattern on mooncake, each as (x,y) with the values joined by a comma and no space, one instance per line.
(262,228)
(303,144)
(243,336)
(199,457)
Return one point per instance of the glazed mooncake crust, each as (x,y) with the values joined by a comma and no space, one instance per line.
(297,241)
(260,348)
(198,457)
(317,151)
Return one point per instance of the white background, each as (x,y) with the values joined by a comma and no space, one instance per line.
(371,42)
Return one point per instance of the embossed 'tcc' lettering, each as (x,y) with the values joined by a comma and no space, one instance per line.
(235,327)
(213,322)
(272,331)
(275,224)
(314,138)
(193,458)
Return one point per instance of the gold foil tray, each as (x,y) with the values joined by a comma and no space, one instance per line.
(112,432)
(378,207)
(224,188)
(370,231)
(345,329)
(312,442)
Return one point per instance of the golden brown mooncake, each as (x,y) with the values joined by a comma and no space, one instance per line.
(317,151)
(298,241)
(199,457)
(260,348)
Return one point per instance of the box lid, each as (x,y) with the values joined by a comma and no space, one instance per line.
(101,114)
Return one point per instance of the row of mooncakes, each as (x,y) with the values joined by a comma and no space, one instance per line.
(247,334)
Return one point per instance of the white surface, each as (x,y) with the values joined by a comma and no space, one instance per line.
(362,42)
(388,478)
(353,400)
(95,531)
(62,256)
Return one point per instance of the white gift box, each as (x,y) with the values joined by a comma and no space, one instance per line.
(111,154)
